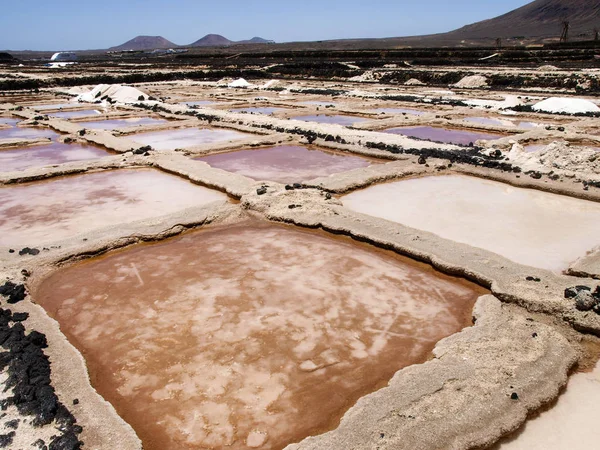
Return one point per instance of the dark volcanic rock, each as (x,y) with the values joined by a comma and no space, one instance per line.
(573,291)
(585,301)
(29,251)
(14,292)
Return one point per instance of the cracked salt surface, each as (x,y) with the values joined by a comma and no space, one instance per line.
(254,335)
(285,163)
(530,227)
(47,211)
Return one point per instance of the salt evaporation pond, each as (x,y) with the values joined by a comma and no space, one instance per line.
(530,227)
(46,211)
(255,335)
(414,112)
(572,423)
(27,133)
(9,121)
(317,103)
(56,106)
(75,114)
(259,110)
(285,163)
(502,122)
(188,137)
(55,153)
(448,136)
(122,123)
(198,103)
(332,119)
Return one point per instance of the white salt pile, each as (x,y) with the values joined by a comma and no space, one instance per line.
(414,82)
(566,105)
(116,92)
(239,83)
(472,81)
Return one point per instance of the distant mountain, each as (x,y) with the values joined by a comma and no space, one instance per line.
(212,40)
(256,40)
(144,43)
(541,18)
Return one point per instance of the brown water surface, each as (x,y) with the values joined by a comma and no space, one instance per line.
(254,335)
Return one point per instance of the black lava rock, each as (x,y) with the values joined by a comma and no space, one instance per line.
(422,160)
(585,301)
(29,251)
(14,292)
(514,396)
(12,250)
(82,132)
(573,291)
(12,424)
(289,188)
(297,186)
(261,191)
(328,196)
(6,439)
(20,316)
(28,371)
(537,280)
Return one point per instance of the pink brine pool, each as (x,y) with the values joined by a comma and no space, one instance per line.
(332,119)
(27,133)
(122,123)
(285,164)
(55,153)
(445,135)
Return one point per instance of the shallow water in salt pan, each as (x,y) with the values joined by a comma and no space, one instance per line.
(414,112)
(27,133)
(75,114)
(332,119)
(122,123)
(56,106)
(503,122)
(188,137)
(43,155)
(570,424)
(199,103)
(527,226)
(9,121)
(285,163)
(259,110)
(448,136)
(249,336)
(46,211)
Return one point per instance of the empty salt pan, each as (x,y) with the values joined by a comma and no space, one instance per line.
(184,138)
(530,227)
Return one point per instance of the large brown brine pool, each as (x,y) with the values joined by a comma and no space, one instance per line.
(249,336)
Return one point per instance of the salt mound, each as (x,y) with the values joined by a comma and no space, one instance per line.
(239,83)
(270,84)
(367,76)
(566,105)
(414,82)
(558,156)
(472,81)
(547,68)
(116,92)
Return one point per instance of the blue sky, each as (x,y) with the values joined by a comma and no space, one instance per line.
(85,24)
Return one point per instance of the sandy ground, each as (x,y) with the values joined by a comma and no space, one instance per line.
(480,384)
